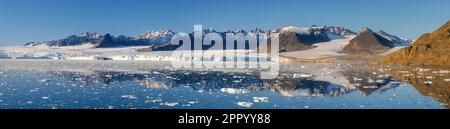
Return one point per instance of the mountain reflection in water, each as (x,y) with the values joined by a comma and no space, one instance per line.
(142,85)
(213,81)
(429,82)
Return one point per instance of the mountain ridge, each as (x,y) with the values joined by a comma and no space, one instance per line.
(431,49)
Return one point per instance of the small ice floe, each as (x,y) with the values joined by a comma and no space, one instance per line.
(109,107)
(45,97)
(237,81)
(370,87)
(261,99)
(370,81)
(422,69)
(430,77)
(170,104)
(234,91)
(301,75)
(153,101)
(380,81)
(447,79)
(428,82)
(395,82)
(44,80)
(357,79)
(1,94)
(193,102)
(129,96)
(245,104)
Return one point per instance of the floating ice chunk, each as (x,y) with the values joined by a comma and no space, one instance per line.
(45,97)
(1,94)
(153,101)
(171,104)
(129,96)
(234,91)
(370,81)
(370,87)
(193,102)
(301,75)
(245,104)
(395,82)
(357,79)
(44,80)
(237,81)
(261,99)
(430,77)
(428,82)
(380,81)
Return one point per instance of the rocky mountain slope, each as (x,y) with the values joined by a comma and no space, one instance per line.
(368,42)
(432,49)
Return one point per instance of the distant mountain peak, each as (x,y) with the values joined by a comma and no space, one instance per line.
(298,30)
(364,29)
(157,33)
(257,30)
(368,42)
(90,34)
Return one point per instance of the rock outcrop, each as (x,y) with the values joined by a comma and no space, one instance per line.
(431,49)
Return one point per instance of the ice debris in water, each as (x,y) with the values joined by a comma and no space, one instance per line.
(171,104)
(44,80)
(45,97)
(193,102)
(129,96)
(428,82)
(245,104)
(261,99)
(234,91)
(302,75)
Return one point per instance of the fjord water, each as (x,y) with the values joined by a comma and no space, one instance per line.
(46,84)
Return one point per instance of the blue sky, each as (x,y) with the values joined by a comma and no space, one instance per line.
(23,21)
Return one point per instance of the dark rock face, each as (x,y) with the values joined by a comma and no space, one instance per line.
(106,41)
(368,42)
(290,41)
(429,50)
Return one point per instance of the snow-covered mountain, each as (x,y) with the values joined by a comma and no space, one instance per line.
(157,37)
(294,38)
(396,40)
(71,40)
(332,32)
(96,39)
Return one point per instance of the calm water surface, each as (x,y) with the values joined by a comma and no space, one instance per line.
(47,84)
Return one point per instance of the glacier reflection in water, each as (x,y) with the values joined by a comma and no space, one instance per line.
(298,86)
